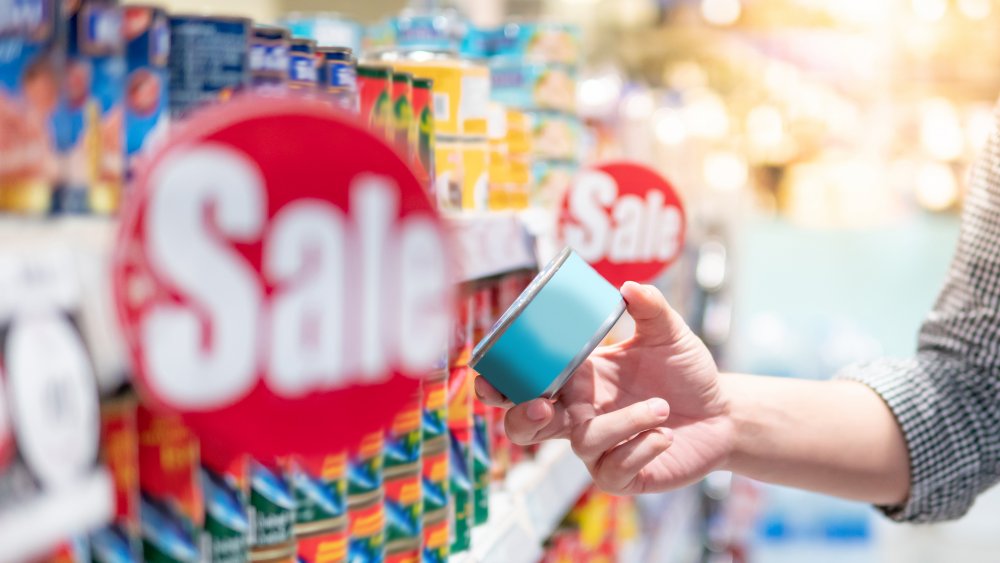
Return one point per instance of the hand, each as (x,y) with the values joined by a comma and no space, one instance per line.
(614,409)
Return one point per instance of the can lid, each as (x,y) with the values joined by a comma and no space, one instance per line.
(374,71)
(265,31)
(302,44)
(421,82)
(402,77)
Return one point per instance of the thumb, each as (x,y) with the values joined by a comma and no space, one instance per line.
(656,323)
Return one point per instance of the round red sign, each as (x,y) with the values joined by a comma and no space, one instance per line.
(282,278)
(625,220)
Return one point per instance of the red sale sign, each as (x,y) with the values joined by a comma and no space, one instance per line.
(282,278)
(625,220)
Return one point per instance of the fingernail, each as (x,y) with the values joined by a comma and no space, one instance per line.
(537,411)
(658,407)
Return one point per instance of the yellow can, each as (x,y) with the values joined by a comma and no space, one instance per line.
(448,179)
(475,174)
(461,94)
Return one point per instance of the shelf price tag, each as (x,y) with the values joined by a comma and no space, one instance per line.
(625,220)
(281,278)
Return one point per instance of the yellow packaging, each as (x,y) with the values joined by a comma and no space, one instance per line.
(475,174)
(461,94)
(448,170)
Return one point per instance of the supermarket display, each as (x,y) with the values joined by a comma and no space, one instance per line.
(549,330)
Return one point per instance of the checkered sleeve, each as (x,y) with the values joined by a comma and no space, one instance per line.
(947,398)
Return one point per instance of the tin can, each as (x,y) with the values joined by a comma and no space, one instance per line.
(272,514)
(226,487)
(327,29)
(461,93)
(147,47)
(403,439)
(483,311)
(375,94)
(172,507)
(119,542)
(269,58)
(209,60)
(338,77)
(302,71)
(435,410)
(436,503)
(475,173)
(449,174)
(460,461)
(423,117)
(29,98)
(549,330)
(528,86)
(320,485)
(366,521)
(366,499)
(404,515)
(90,130)
(402,114)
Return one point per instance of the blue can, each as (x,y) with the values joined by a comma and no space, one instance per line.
(30,67)
(90,133)
(551,328)
(338,77)
(147,47)
(302,71)
(209,60)
(269,58)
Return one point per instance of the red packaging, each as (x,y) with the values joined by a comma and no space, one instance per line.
(120,453)
(375,94)
(460,350)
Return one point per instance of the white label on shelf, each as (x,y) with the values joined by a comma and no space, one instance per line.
(475,100)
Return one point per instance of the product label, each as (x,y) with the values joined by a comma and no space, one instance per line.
(227,523)
(403,440)
(367,537)
(272,508)
(404,512)
(364,471)
(147,34)
(209,61)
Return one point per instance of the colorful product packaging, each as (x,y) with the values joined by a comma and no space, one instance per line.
(269,58)
(449,174)
(436,502)
(461,94)
(326,29)
(438,29)
(338,77)
(555,135)
(209,60)
(461,476)
(226,484)
(119,542)
(366,500)
(402,114)
(147,48)
(90,129)
(475,173)
(483,319)
(29,97)
(172,507)
(423,117)
(526,86)
(549,181)
(302,69)
(376,94)
(320,485)
(272,514)
(536,41)
(403,498)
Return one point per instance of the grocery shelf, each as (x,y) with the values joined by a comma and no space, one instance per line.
(490,243)
(533,500)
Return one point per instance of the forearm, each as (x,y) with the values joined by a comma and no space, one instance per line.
(834,437)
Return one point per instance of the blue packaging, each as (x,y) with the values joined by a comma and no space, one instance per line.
(147,47)
(527,86)
(433,30)
(30,67)
(551,328)
(90,133)
(269,58)
(538,42)
(209,60)
(302,70)
(338,77)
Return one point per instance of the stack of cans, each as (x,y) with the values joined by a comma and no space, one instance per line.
(435,459)
(510,158)
(320,485)
(460,427)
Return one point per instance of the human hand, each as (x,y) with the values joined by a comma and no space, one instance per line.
(614,408)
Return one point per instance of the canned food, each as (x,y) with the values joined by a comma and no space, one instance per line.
(147,48)
(534,86)
(172,508)
(364,469)
(321,507)
(460,467)
(449,174)
(435,409)
(475,174)
(555,135)
(376,95)
(90,128)
(338,76)
(272,514)
(209,60)
(423,116)
(481,462)
(461,93)
(404,516)
(119,542)
(269,60)
(226,483)
(30,74)
(403,440)
(302,72)
(367,529)
(402,114)
(549,330)
(436,539)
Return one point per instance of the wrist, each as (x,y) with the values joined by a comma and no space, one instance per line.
(740,418)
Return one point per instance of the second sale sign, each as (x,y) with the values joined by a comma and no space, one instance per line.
(282,278)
